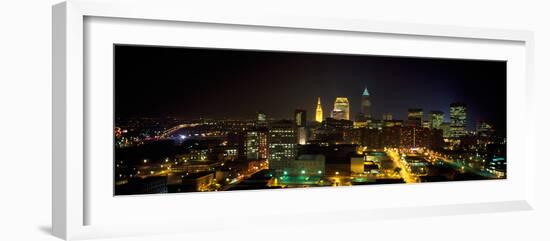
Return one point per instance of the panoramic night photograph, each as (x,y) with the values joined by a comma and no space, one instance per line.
(206,119)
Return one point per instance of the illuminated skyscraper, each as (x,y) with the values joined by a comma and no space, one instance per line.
(256,144)
(338,114)
(319,111)
(300,120)
(484,128)
(282,140)
(458,120)
(414,117)
(415,137)
(436,119)
(365,104)
(261,121)
(341,109)
(446,128)
(426,124)
(387,117)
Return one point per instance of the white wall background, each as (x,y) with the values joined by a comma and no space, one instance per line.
(25,107)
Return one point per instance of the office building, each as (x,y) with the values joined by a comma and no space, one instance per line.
(282,140)
(319,111)
(391,136)
(261,120)
(333,123)
(365,104)
(341,109)
(415,137)
(256,144)
(446,128)
(357,164)
(426,124)
(304,165)
(300,120)
(458,120)
(414,117)
(484,129)
(436,119)
(392,123)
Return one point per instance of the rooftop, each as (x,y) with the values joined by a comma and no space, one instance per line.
(365,92)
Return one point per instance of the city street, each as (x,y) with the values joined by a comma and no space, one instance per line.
(404,172)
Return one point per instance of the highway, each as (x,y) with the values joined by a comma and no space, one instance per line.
(168,132)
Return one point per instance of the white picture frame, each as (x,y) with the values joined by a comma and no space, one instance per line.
(73,193)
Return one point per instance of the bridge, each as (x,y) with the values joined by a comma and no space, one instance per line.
(171,131)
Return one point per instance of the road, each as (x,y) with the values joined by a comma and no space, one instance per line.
(168,132)
(462,167)
(407,176)
(240,179)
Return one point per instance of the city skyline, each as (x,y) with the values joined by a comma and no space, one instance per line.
(205,120)
(227,75)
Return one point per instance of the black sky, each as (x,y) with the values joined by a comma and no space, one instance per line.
(217,83)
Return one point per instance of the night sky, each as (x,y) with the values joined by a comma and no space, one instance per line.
(218,83)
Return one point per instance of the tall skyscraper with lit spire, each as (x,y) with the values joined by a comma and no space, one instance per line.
(319,111)
(365,104)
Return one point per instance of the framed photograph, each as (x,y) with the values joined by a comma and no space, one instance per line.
(175,120)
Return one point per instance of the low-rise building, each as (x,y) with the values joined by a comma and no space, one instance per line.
(305,165)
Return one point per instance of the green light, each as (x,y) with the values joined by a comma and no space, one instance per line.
(303,172)
(285,173)
(319,172)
